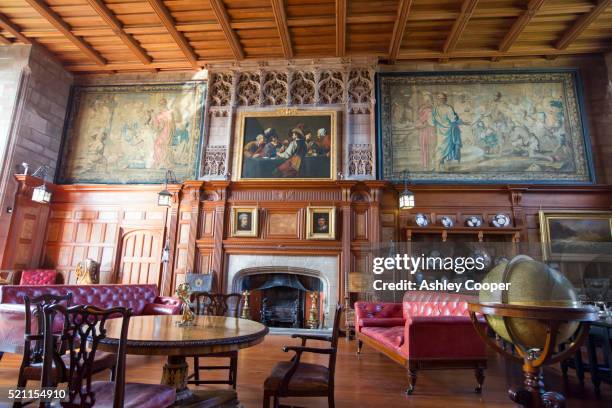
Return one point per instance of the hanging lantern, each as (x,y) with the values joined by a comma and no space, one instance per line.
(406,198)
(164,197)
(41,195)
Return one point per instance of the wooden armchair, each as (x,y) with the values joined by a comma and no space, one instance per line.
(297,379)
(216,304)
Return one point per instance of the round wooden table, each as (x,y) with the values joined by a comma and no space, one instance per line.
(160,335)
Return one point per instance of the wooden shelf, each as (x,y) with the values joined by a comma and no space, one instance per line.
(480,232)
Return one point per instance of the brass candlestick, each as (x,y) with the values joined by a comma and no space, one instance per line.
(183,291)
(313,315)
(246,309)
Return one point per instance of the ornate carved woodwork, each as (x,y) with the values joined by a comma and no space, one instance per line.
(215,161)
(102,221)
(360,162)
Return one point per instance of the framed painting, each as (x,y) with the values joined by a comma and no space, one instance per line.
(576,235)
(133,133)
(483,127)
(321,223)
(244,221)
(286,144)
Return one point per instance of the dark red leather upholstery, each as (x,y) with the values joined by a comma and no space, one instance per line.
(38,277)
(136,297)
(378,314)
(393,337)
(432,321)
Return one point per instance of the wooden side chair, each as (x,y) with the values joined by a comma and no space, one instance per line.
(297,379)
(83,329)
(216,304)
(31,364)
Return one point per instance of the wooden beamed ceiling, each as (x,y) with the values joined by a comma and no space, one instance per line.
(149,35)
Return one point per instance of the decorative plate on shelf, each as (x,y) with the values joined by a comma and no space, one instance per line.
(473,221)
(500,221)
(421,220)
(447,222)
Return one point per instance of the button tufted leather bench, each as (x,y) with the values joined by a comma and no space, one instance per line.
(142,299)
(428,330)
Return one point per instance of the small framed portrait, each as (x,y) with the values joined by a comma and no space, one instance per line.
(576,235)
(321,223)
(244,221)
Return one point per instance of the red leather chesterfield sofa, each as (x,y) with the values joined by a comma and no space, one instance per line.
(143,299)
(428,330)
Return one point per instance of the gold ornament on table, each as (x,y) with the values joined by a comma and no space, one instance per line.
(313,315)
(246,308)
(183,291)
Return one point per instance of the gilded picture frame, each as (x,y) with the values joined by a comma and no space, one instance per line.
(244,221)
(286,144)
(576,235)
(321,223)
(483,127)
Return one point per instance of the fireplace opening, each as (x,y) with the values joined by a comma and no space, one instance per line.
(285,300)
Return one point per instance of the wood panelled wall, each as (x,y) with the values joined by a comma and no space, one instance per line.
(124,229)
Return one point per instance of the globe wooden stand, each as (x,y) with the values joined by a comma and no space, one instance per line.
(532,393)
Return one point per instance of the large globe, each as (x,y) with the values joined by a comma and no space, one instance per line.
(532,283)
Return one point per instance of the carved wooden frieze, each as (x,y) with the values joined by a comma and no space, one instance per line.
(221,89)
(275,88)
(360,161)
(360,85)
(331,87)
(302,89)
(284,195)
(248,88)
(215,158)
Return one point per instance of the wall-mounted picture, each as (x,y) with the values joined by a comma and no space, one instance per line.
(483,127)
(321,223)
(133,133)
(576,236)
(286,144)
(244,221)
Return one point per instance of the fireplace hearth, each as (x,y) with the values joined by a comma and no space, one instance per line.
(247,272)
(283,299)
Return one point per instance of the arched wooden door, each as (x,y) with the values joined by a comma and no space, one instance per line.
(140,260)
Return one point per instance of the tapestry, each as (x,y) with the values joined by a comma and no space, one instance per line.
(491,127)
(133,133)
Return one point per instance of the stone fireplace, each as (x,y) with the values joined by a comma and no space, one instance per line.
(281,287)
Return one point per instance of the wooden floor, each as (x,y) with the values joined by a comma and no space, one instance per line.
(368,381)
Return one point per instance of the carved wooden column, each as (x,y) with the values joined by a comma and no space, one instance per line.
(376,193)
(518,214)
(347,235)
(170,238)
(216,191)
(186,231)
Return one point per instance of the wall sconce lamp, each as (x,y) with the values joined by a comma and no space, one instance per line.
(164,197)
(40,194)
(406,198)
(166,253)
